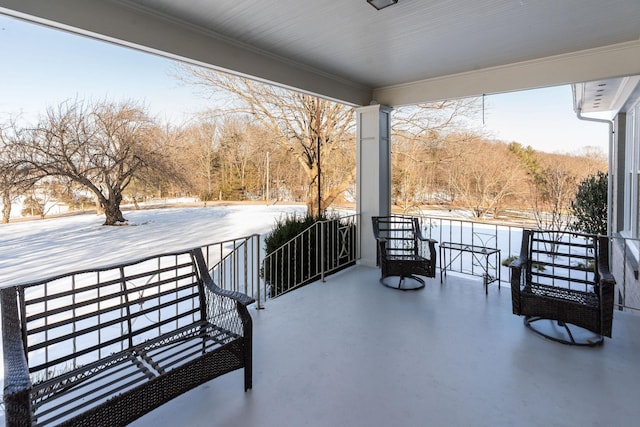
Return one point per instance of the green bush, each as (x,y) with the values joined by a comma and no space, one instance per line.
(299,263)
(286,229)
(590,205)
(507,261)
(535,265)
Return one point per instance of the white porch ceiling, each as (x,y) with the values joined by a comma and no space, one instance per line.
(414,51)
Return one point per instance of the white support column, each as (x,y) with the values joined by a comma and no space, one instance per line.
(373,173)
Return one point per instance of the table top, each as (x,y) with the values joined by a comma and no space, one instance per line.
(468,247)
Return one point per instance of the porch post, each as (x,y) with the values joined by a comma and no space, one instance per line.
(373,182)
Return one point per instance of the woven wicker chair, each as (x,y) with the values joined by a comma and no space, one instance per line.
(403,251)
(563,279)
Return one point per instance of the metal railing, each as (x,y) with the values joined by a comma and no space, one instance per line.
(234,265)
(324,248)
(624,252)
(506,238)
(238,264)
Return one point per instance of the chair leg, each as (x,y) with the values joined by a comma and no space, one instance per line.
(402,283)
(530,322)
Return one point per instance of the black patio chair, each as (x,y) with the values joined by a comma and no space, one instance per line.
(403,251)
(561,281)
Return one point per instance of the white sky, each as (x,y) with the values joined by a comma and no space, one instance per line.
(42,67)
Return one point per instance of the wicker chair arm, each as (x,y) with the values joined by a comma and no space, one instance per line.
(607,282)
(516,268)
(606,286)
(382,246)
(426,239)
(519,262)
(420,237)
(606,276)
(432,249)
(603,262)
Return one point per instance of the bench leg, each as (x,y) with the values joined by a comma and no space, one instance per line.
(248,362)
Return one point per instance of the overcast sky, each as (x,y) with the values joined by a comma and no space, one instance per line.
(41,67)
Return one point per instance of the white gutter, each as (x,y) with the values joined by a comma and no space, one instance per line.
(609,173)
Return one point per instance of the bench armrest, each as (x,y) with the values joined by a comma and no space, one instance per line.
(17,384)
(220,307)
(239,297)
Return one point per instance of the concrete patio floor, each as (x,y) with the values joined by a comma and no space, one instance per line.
(351,352)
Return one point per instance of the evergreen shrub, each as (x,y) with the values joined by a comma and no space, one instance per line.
(299,263)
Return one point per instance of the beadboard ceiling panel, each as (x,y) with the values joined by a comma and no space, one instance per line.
(412,51)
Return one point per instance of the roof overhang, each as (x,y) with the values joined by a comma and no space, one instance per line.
(410,53)
(606,97)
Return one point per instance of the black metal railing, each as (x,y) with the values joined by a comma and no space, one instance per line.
(624,258)
(324,248)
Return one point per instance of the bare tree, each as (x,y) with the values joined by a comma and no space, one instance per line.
(100,145)
(484,176)
(427,139)
(554,193)
(312,129)
(15,178)
(435,121)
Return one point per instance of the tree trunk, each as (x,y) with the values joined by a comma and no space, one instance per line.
(112,212)
(312,206)
(6,207)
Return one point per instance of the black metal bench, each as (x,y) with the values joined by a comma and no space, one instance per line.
(103,347)
(403,251)
(562,279)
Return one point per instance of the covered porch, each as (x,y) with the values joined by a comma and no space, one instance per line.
(351,352)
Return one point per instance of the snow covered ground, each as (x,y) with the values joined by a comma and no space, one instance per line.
(43,248)
(38,249)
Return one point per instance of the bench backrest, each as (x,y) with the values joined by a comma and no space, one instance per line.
(79,318)
(399,232)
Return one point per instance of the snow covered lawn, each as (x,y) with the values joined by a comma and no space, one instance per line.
(38,249)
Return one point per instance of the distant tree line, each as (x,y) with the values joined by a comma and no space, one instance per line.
(274,145)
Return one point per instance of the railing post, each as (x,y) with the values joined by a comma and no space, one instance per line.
(322,245)
(256,239)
